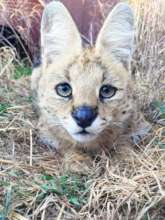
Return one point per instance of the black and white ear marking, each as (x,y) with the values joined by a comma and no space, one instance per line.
(59,34)
(116,35)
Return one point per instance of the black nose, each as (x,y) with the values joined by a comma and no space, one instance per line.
(84,115)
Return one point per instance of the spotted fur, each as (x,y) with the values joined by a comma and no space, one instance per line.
(86,70)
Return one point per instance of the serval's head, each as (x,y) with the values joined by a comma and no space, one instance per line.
(85,91)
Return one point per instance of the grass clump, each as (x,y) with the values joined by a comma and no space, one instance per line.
(4,213)
(21,71)
(4,107)
(73,188)
(148,65)
(160,106)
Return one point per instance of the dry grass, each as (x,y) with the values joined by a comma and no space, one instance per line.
(149,63)
(123,186)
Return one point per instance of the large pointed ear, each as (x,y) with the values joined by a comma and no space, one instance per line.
(116,36)
(59,35)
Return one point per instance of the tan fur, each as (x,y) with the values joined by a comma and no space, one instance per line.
(86,71)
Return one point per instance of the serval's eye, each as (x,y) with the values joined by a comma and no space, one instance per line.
(64,90)
(107,92)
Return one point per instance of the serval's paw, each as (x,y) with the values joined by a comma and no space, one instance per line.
(141,133)
(77,163)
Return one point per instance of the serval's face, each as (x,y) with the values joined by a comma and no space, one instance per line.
(85,91)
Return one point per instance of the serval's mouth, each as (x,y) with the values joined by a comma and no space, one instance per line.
(84,136)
